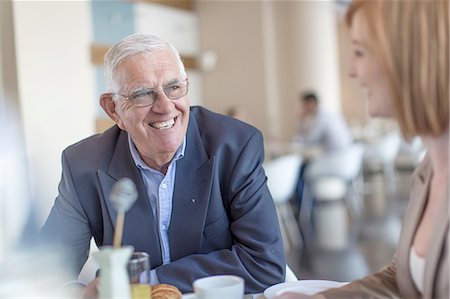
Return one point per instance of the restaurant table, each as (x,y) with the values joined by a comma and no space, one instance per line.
(308,287)
(246,296)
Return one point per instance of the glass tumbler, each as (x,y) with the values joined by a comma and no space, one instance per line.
(139,273)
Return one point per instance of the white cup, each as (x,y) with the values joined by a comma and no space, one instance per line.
(219,287)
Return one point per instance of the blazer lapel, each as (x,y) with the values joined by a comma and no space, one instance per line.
(191,197)
(413,215)
(435,248)
(140,226)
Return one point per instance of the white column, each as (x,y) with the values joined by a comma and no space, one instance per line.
(271,84)
(300,46)
(56,86)
(315,50)
(14,184)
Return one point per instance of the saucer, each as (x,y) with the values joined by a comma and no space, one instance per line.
(308,287)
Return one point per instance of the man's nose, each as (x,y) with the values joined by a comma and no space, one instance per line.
(162,103)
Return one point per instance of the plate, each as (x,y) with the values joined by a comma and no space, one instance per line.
(189,296)
(308,287)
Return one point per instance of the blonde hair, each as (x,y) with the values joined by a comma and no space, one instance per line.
(411,40)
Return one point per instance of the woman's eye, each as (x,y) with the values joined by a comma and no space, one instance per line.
(358,53)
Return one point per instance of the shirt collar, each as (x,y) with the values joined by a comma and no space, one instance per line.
(142,165)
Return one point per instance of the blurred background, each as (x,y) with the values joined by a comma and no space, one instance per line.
(254,56)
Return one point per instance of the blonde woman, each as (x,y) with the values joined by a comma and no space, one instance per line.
(401,59)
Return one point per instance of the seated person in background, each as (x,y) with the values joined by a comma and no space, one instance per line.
(319,131)
(318,127)
(203,207)
(401,57)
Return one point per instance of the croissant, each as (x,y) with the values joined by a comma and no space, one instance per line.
(165,291)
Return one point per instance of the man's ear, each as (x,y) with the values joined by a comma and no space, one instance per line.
(109,106)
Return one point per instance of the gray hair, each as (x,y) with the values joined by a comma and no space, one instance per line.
(132,45)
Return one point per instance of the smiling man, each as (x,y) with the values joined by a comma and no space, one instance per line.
(203,206)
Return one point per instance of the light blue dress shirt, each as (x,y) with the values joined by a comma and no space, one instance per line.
(160,192)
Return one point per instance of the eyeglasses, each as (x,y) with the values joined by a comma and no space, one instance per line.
(147,96)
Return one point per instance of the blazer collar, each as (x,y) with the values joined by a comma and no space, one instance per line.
(139,220)
(418,198)
(193,181)
(435,247)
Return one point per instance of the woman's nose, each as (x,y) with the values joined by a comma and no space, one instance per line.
(351,70)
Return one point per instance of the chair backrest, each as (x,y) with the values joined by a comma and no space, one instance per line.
(290,275)
(345,164)
(329,188)
(282,176)
(383,150)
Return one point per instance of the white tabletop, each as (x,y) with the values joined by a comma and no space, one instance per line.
(304,286)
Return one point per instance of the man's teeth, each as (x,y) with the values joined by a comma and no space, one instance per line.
(164,124)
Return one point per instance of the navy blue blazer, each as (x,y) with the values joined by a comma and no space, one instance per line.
(223,218)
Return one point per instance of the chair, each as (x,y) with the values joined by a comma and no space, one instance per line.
(282,177)
(345,164)
(290,275)
(383,150)
(330,214)
(322,176)
(410,154)
(89,270)
(379,156)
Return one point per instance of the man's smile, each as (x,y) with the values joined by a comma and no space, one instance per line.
(164,125)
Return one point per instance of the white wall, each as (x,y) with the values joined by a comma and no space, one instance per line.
(232,29)
(308,37)
(316,51)
(56,85)
(269,52)
(177,27)
(14,185)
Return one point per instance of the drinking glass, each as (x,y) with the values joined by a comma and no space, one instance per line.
(139,273)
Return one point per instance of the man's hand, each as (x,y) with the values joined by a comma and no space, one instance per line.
(91,290)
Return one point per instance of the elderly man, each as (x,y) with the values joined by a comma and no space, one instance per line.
(203,206)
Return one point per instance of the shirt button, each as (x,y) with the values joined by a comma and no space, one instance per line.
(164,186)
